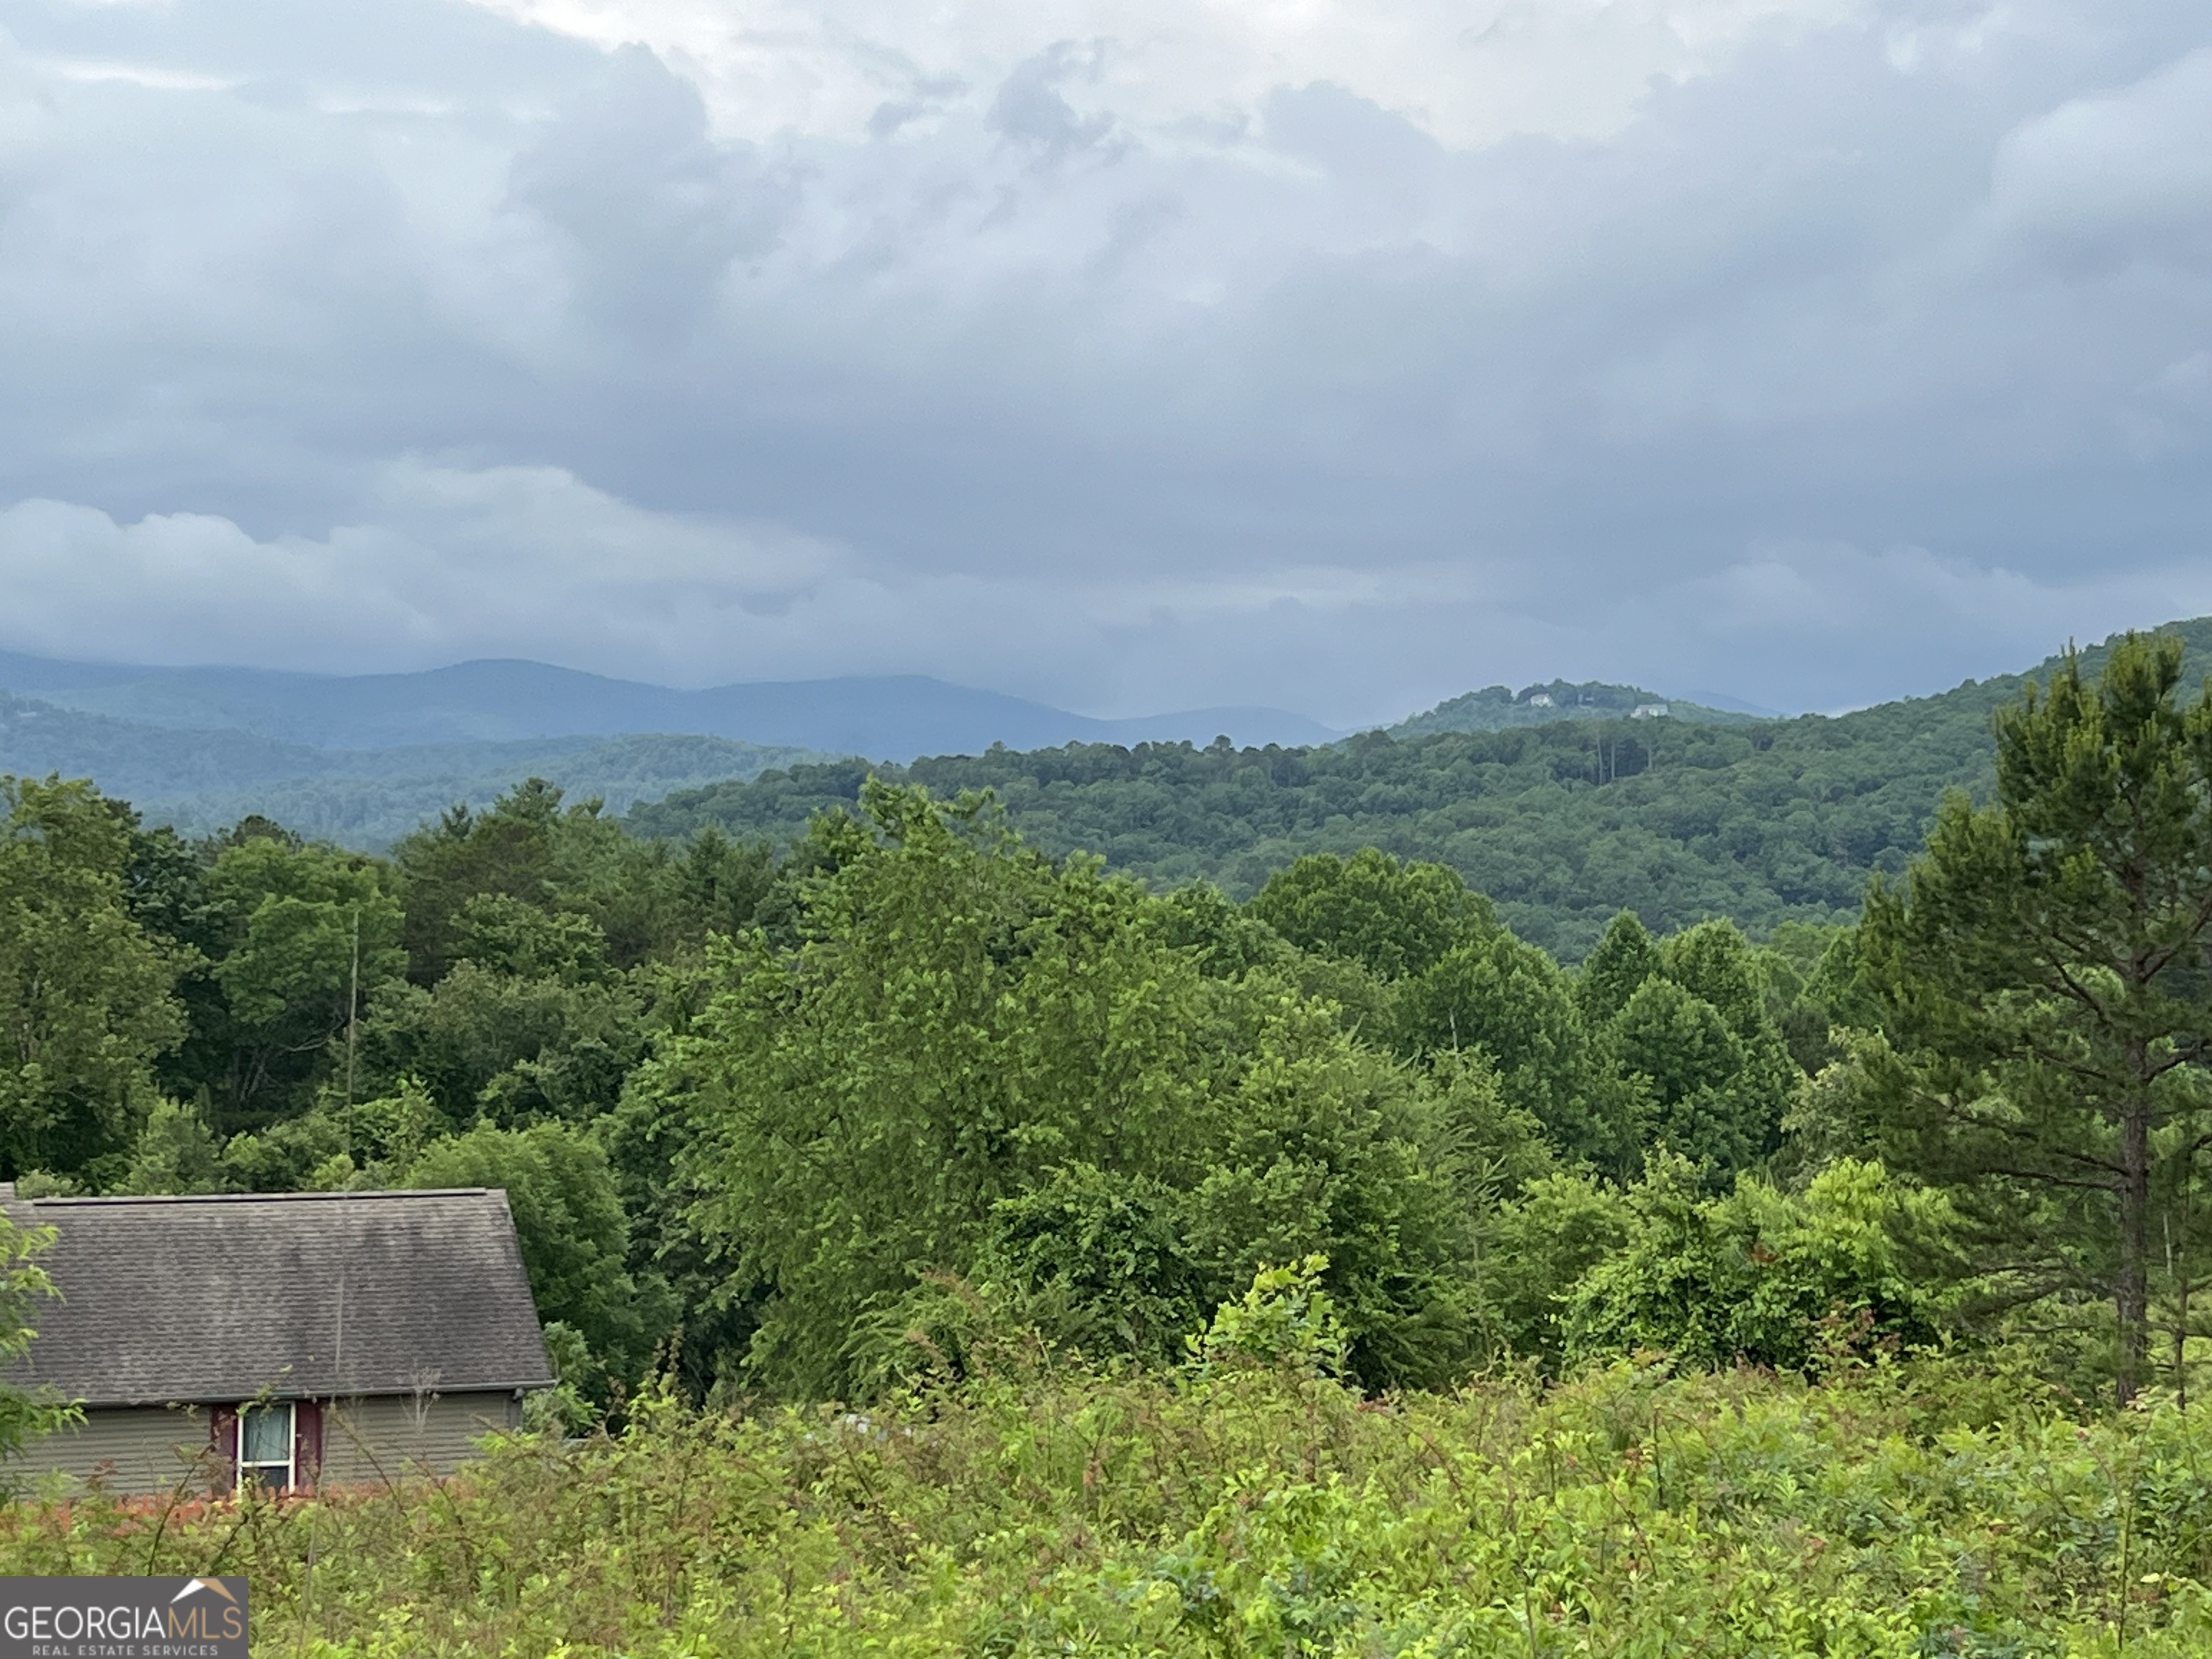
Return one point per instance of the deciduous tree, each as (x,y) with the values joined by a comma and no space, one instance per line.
(86,995)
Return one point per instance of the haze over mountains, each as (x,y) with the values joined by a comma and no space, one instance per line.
(884,718)
(362,759)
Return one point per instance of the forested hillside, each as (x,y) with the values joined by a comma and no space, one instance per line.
(1764,822)
(950,1247)
(1495,707)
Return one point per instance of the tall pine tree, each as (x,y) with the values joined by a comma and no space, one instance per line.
(2041,978)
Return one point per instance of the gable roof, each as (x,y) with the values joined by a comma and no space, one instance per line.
(306,1295)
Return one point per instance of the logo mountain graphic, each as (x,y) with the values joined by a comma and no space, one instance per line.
(192,1585)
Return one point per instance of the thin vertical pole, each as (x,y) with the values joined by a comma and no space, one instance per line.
(353,1020)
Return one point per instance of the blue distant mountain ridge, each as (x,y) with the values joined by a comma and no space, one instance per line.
(363,759)
(892,718)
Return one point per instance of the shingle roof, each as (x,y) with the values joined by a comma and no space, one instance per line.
(313,1295)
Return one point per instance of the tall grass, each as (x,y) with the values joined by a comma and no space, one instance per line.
(1914,1510)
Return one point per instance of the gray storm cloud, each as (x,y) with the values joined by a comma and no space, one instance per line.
(1129,355)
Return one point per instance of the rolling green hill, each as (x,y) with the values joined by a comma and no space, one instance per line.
(1767,821)
(1496,707)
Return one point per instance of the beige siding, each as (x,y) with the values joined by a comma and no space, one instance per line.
(155,1449)
(136,1448)
(378,1439)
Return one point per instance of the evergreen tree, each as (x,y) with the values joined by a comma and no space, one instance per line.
(1620,963)
(2042,980)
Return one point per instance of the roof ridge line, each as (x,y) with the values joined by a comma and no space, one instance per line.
(63,1200)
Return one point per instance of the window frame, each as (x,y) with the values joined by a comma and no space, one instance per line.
(245,1472)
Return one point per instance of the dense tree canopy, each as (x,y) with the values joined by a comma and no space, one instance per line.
(819,1118)
(1394,920)
(779,1114)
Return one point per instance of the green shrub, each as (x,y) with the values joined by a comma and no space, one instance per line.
(1760,1276)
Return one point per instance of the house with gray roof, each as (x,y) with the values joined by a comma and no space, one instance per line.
(288,1341)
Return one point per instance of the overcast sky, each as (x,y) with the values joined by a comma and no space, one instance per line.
(1341,355)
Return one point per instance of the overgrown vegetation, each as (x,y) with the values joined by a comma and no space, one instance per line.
(1251,1510)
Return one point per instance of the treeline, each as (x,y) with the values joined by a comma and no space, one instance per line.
(766,1101)
(813,1119)
(1562,825)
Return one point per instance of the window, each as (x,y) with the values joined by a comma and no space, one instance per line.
(265,1446)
